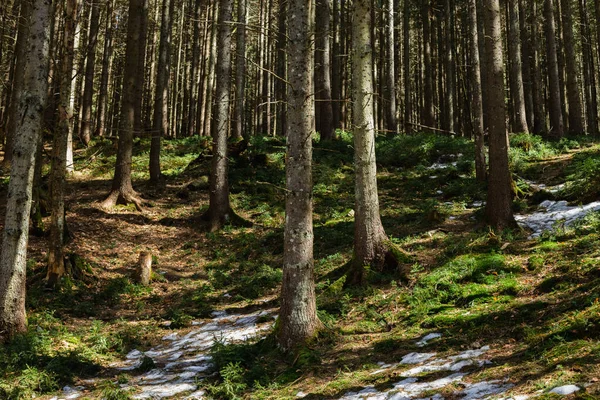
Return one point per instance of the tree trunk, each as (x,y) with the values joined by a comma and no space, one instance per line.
(160,125)
(122,189)
(408,109)
(539,117)
(16,228)
(449,68)
(56,259)
(219,211)
(240,71)
(370,240)
(498,208)
(102,102)
(591,100)
(573,89)
(391,124)
(88,92)
(428,111)
(280,84)
(556,120)
(527,55)
(324,110)
(477,97)
(298,320)
(516,90)
(17,84)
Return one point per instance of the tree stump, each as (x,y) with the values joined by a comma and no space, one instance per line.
(143,272)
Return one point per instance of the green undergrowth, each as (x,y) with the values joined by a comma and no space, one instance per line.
(534,301)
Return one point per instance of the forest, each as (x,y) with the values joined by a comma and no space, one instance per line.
(284,199)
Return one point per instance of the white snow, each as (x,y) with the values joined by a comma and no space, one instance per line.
(553,212)
(565,390)
(416,358)
(427,338)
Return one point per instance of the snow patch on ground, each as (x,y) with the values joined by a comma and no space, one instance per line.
(553,212)
(427,338)
(182,360)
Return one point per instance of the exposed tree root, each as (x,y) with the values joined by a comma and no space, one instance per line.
(216,222)
(389,258)
(119,197)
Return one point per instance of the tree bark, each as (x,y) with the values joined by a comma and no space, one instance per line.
(391,124)
(16,228)
(477,97)
(102,102)
(539,116)
(160,126)
(517,91)
(17,88)
(240,71)
(298,320)
(556,120)
(90,66)
(428,111)
(122,188)
(408,107)
(219,211)
(370,240)
(324,110)
(576,125)
(449,68)
(58,172)
(591,100)
(499,198)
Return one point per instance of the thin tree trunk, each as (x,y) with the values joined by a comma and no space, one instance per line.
(498,208)
(477,97)
(219,211)
(428,111)
(324,110)
(516,89)
(280,84)
(56,257)
(408,108)
(449,68)
(16,227)
(576,125)
(18,78)
(391,124)
(298,313)
(240,71)
(122,188)
(588,70)
(556,119)
(102,102)
(160,126)
(88,93)
(527,55)
(539,117)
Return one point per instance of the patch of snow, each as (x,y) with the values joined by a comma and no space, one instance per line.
(301,395)
(441,166)
(162,391)
(427,338)
(554,211)
(479,390)
(416,358)
(565,390)
(197,395)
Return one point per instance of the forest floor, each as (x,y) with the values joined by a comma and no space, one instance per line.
(514,313)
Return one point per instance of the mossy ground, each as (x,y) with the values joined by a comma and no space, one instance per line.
(535,302)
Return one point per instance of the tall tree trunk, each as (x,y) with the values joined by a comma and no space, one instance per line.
(527,55)
(477,97)
(18,78)
(408,109)
(449,68)
(336,79)
(138,123)
(370,240)
(576,125)
(122,188)
(240,71)
(591,100)
(219,211)
(298,320)
(280,84)
(556,120)
(391,124)
(428,111)
(160,126)
(107,55)
(498,208)
(29,127)
(539,117)
(324,110)
(88,92)
(56,258)
(516,90)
